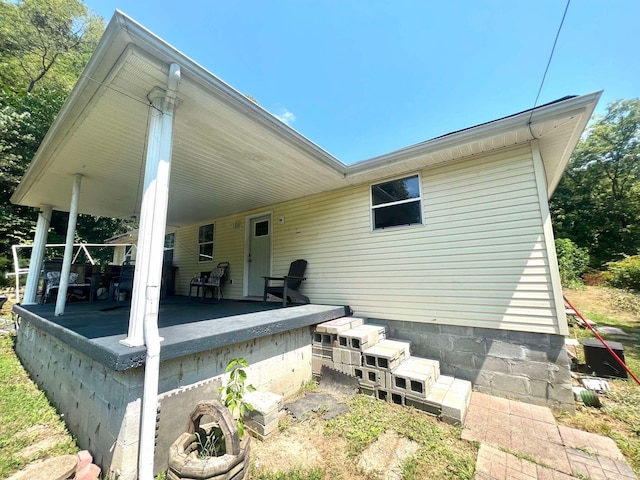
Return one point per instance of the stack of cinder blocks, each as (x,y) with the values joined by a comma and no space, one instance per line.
(386,370)
(267,411)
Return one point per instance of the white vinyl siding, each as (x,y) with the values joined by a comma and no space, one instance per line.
(479,259)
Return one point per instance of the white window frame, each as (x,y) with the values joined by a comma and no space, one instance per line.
(417,199)
(173,246)
(208,242)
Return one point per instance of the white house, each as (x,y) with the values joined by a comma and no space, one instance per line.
(447,242)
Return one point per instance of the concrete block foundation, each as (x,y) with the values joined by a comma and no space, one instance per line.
(530,367)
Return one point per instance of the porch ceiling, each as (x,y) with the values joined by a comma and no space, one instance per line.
(229,154)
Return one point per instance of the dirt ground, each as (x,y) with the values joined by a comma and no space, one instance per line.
(305,446)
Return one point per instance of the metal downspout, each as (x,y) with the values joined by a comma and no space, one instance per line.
(152,292)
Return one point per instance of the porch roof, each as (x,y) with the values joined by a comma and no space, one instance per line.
(188,327)
(229,154)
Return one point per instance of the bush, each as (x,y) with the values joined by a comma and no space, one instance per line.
(5,266)
(572,262)
(624,273)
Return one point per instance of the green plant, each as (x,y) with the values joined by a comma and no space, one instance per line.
(624,273)
(572,262)
(210,444)
(296,473)
(233,392)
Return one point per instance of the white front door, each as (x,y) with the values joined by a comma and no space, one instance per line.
(259,254)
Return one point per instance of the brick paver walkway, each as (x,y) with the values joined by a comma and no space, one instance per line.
(523,442)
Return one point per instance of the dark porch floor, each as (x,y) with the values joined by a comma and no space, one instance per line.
(187,326)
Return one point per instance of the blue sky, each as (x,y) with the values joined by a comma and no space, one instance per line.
(363,78)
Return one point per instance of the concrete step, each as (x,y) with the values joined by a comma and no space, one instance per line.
(386,369)
(362,337)
(386,355)
(415,376)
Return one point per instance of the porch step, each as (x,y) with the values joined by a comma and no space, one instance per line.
(385,369)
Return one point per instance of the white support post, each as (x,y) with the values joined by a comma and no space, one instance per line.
(37,255)
(145,297)
(61,300)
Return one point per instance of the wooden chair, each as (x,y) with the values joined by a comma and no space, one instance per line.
(215,281)
(290,288)
(210,281)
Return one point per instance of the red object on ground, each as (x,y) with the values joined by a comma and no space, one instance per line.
(89,472)
(599,337)
(84,459)
(85,470)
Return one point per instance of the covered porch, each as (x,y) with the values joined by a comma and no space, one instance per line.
(97,383)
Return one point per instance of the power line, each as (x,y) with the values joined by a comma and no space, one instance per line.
(535,103)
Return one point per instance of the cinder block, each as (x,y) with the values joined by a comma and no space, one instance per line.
(362,337)
(436,395)
(455,404)
(264,431)
(397,398)
(351,357)
(415,376)
(347,369)
(369,392)
(371,377)
(383,394)
(386,355)
(264,403)
(421,404)
(316,365)
(322,351)
(339,325)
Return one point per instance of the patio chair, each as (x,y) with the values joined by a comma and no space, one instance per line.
(215,281)
(51,270)
(290,288)
(125,281)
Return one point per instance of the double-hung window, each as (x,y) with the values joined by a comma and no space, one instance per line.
(205,243)
(169,246)
(395,203)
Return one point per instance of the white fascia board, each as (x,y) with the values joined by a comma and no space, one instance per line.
(581,105)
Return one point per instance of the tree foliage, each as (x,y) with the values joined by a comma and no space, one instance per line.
(44,45)
(597,203)
(46,42)
(572,262)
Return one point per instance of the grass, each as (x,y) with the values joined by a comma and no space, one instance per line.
(297,473)
(619,417)
(441,454)
(26,416)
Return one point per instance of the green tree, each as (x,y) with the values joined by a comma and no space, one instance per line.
(45,42)
(597,203)
(44,45)
(572,262)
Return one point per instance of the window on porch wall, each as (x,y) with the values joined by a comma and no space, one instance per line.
(205,243)
(169,246)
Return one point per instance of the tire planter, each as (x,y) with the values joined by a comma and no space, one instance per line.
(233,465)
